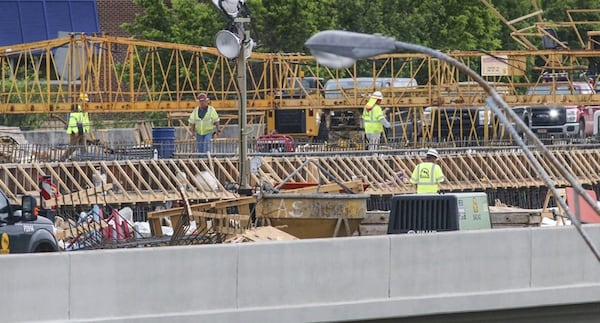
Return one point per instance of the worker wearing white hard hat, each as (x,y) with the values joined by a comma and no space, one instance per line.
(374,120)
(377,95)
(428,175)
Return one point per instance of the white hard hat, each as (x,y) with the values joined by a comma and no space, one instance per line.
(377,95)
(433,153)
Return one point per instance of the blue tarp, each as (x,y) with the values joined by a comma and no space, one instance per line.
(23,21)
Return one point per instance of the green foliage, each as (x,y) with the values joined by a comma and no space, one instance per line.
(158,119)
(154,24)
(184,21)
(24,121)
(284,26)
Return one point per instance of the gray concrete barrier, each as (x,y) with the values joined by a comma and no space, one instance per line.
(308,280)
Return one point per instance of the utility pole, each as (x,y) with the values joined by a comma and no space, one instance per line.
(242,115)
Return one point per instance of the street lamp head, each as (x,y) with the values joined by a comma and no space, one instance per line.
(332,60)
(340,49)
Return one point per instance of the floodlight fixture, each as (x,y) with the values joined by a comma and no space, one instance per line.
(228,44)
(229,7)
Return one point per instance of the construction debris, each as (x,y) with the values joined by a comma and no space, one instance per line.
(266,233)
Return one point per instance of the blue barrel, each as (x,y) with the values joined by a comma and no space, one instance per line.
(163,140)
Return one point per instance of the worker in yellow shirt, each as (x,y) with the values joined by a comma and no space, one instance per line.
(374,120)
(428,175)
(78,126)
(204,121)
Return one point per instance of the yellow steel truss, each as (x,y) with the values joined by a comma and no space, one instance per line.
(128,75)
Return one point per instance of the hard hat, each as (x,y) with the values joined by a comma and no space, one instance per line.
(84,97)
(202,97)
(433,153)
(377,95)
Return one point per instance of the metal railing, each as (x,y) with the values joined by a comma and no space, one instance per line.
(229,147)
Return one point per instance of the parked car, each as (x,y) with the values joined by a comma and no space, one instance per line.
(560,88)
(363,86)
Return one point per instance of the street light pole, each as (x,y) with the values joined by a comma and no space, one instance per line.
(242,115)
(340,49)
(238,46)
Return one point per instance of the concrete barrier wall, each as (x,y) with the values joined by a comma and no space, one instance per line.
(308,280)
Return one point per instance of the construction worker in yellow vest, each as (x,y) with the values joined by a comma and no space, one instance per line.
(78,125)
(374,120)
(204,121)
(428,175)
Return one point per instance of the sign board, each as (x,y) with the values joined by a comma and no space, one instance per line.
(494,66)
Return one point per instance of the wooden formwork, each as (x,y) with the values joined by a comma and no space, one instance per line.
(147,181)
(140,181)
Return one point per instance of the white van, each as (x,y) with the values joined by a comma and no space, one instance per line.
(338,88)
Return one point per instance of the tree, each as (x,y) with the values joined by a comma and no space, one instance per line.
(284,26)
(446,24)
(154,24)
(510,9)
(184,21)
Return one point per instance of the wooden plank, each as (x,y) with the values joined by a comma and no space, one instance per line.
(373,229)
(376,217)
(155,227)
(265,233)
(356,186)
(82,228)
(89,196)
(222,204)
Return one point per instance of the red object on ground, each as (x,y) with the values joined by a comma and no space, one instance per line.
(275,143)
(118,228)
(49,190)
(586,213)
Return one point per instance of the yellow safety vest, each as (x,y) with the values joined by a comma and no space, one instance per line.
(204,126)
(427,176)
(76,119)
(372,118)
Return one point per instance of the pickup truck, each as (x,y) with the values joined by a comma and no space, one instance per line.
(461,123)
(560,120)
(22,230)
(553,120)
